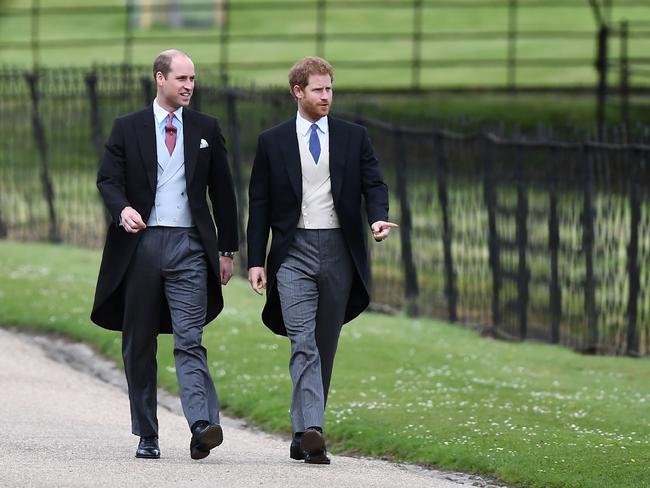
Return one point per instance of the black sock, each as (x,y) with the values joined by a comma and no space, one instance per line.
(199,424)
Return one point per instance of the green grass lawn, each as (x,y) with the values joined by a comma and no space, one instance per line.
(299,19)
(350,58)
(570,115)
(418,391)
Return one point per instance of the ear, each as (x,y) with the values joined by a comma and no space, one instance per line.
(297,92)
(159,78)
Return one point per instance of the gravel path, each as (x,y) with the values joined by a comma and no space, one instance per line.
(64,421)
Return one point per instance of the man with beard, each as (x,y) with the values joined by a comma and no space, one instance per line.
(306,185)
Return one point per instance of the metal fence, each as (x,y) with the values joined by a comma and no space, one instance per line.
(529,239)
(419,31)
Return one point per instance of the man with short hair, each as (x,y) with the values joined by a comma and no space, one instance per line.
(163,265)
(307,183)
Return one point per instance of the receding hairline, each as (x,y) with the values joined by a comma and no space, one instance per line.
(163,62)
(173,53)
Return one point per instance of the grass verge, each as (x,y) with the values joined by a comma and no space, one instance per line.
(412,390)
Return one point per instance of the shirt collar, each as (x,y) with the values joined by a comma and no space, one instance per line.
(161,114)
(303,125)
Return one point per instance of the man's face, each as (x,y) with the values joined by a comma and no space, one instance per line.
(315,100)
(176,90)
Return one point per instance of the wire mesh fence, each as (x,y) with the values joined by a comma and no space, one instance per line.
(528,239)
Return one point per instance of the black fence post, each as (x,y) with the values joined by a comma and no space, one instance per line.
(35,34)
(197,98)
(95,119)
(128,32)
(416,61)
(588,242)
(406,227)
(147,90)
(3,227)
(4,231)
(633,263)
(277,114)
(41,144)
(321,17)
(97,134)
(521,236)
(442,172)
(489,194)
(625,77)
(601,66)
(512,45)
(555,290)
(224,40)
(233,129)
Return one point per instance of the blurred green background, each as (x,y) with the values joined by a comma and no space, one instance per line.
(460,43)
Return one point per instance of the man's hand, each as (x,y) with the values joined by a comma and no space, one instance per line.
(225,265)
(381,229)
(257,279)
(131,220)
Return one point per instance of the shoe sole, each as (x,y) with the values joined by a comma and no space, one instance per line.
(210,438)
(196,453)
(312,442)
(318,459)
(144,456)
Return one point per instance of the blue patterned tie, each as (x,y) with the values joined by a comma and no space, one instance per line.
(314,143)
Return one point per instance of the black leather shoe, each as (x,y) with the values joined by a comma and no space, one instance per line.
(148,448)
(313,446)
(205,436)
(295,452)
(320,458)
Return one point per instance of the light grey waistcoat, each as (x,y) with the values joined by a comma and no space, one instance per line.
(171,208)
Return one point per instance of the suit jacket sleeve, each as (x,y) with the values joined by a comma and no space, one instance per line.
(373,187)
(111,178)
(222,194)
(259,218)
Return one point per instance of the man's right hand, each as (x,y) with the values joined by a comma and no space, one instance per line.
(131,220)
(257,279)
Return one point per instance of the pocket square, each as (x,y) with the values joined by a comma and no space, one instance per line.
(204,143)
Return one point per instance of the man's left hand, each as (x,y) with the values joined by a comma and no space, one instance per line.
(225,264)
(381,229)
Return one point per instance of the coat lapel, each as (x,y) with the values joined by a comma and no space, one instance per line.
(146,137)
(338,150)
(191,142)
(291,158)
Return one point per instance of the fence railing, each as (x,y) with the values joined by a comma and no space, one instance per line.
(532,239)
(529,239)
(424,43)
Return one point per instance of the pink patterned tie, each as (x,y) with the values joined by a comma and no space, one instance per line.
(170,134)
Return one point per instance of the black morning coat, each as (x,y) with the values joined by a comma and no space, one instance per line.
(275,197)
(128,177)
